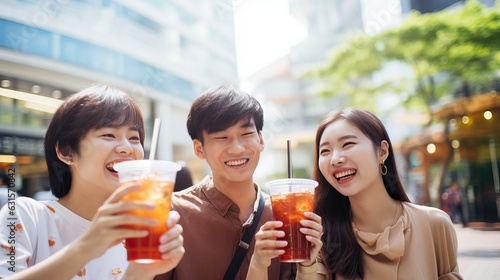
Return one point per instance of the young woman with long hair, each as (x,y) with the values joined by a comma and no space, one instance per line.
(371,229)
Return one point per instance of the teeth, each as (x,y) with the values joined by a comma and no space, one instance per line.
(111,166)
(236,162)
(344,173)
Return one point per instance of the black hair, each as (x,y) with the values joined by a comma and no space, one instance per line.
(221,107)
(95,107)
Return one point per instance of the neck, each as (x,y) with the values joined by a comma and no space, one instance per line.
(73,201)
(374,212)
(242,194)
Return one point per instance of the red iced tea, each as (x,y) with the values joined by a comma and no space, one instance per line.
(289,208)
(158,191)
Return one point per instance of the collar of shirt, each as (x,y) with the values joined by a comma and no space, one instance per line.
(222,203)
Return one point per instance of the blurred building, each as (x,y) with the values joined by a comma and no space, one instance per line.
(428,6)
(464,142)
(291,103)
(163,53)
(462,145)
(424,6)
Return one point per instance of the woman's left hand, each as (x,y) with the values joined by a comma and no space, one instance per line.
(313,230)
(172,250)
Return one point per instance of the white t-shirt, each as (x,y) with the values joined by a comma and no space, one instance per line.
(38,229)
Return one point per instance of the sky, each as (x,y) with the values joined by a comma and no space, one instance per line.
(264,32)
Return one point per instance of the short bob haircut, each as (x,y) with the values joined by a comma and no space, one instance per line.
(221,107)
(95,107)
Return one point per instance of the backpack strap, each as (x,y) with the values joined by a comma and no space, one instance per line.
(244,243)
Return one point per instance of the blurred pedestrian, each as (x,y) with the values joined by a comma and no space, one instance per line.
(454,203)
(444,202)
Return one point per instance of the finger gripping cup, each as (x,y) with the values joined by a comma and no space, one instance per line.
(157,179)
(290,198)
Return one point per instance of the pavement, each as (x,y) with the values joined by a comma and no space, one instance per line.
(479,252)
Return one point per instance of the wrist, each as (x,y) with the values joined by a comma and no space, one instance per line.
(256,265)
(136,271)
(80,250)
(308,269)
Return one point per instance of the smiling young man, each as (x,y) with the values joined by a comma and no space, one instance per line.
(226,128)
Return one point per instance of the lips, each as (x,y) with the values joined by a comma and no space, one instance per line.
(236,162)
(110,166)
(344,174)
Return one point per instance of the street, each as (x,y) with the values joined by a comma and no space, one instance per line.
(478,253)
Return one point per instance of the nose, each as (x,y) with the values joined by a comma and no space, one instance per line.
(236,146)
(124,147)
(337,158)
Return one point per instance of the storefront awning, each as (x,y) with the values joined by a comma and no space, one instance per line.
(467,106)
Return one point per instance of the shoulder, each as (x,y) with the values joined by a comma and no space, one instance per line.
(27,209)
(190,199)
(188,193)
(267,199)
(29,205)
(195,190)
(266,196)
(435,216)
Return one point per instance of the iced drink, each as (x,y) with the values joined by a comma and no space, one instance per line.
(157,180)
(290,198)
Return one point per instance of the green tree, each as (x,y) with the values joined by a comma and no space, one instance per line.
(446,50)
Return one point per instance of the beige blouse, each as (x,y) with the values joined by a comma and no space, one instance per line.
(421,245)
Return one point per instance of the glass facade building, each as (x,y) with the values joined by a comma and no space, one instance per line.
(162,53)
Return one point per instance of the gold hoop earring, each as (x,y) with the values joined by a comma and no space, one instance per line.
(384,169)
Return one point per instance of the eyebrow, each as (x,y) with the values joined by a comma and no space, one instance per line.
(342,138)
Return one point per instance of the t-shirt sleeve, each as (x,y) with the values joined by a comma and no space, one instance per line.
(17,236)
(445,245)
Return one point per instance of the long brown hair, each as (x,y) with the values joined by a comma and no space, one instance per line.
(341,254)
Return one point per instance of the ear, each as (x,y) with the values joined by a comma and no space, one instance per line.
(64,157)
(261,141)
(384,151)
(198,149)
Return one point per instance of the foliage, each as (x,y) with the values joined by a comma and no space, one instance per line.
(446,50)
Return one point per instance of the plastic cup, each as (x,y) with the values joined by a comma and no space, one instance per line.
(157,178)
(290,198)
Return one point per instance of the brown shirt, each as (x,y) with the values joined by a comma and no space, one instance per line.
(212,232)
(421,245)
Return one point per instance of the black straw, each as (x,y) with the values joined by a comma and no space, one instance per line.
(289,159)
